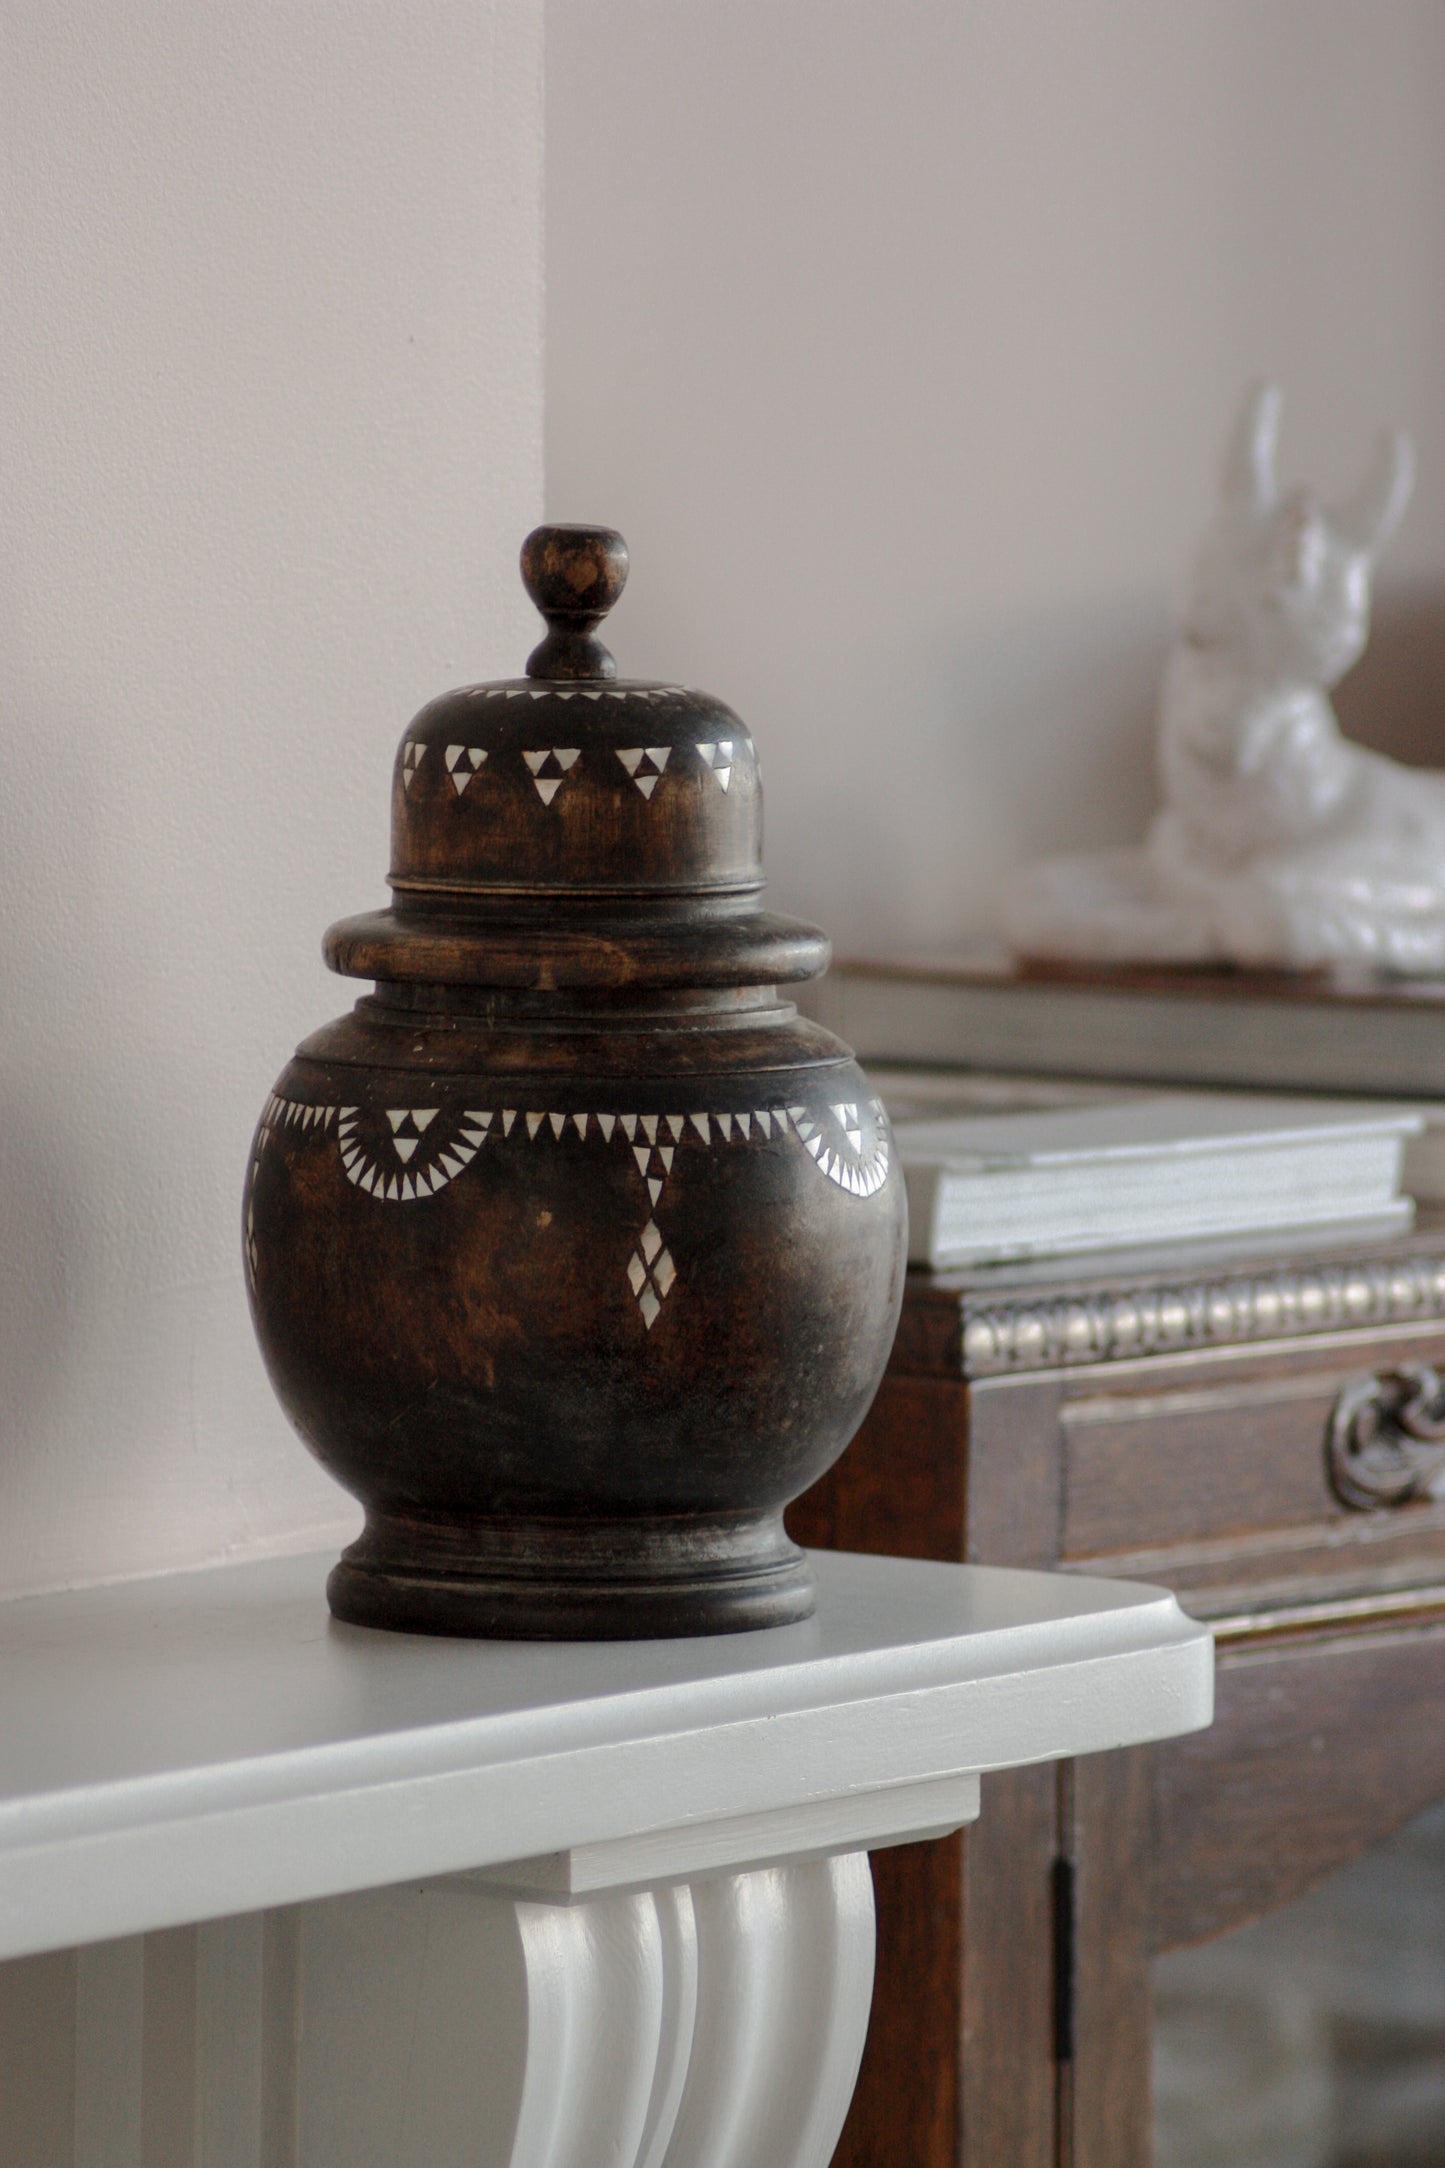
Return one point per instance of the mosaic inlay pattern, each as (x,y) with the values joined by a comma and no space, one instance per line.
(401,1155)
(463,762)
(550,765)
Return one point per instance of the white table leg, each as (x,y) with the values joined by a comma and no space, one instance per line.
(785,1981)
(717,2024)
(712,2024)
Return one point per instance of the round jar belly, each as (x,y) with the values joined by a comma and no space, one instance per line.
(574,1343)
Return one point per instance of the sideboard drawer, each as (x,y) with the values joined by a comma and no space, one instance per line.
(1218,1471)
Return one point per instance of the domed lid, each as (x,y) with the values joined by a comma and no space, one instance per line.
(571,828)
(572,778)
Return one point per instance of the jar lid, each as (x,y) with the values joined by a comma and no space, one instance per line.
(572,778)
(523,805)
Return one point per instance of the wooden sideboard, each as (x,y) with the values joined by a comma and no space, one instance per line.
(1260,1438)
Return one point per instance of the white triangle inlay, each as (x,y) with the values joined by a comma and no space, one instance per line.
(654,1188)
(396,1116)
(657,754)
(559,1123)
(647,784)
(564,755)
(629,756)
(547,787)
(509,1115)
(641,1153)
(607,1123)
(699,1123)
(535,761)
(405,1146)
(534,1123)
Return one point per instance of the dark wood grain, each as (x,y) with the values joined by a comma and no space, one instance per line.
(1204,1468)
(1010,2079)
(1015,1500)
(906,2104)
(1319,1750)
(903,1493)
(1234,1444)
(1111,1845)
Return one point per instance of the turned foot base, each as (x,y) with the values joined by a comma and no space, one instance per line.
(573,1581)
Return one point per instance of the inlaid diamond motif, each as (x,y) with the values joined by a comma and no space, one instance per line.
(651,1273)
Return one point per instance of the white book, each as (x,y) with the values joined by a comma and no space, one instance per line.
(1145,1169)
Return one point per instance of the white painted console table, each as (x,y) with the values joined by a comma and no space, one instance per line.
(320,1898)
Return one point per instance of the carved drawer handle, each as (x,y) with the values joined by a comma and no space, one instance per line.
(1386,1443)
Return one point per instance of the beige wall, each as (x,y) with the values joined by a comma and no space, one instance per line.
(271,387)
(899,337)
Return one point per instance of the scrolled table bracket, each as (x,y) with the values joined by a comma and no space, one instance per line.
(1385,1445)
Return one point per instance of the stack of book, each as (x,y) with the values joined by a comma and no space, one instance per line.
(1018,1179)
(1343,1040)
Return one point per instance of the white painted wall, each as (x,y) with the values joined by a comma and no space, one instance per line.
(271,397)
(899,337)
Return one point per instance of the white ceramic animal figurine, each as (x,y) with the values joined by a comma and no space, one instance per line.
(1279,843)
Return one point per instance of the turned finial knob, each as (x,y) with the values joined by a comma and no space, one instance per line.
(574,575)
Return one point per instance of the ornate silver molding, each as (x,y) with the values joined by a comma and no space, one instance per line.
(1386,1441)
(1117,1325)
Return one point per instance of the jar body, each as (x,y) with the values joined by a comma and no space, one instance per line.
(574,1303)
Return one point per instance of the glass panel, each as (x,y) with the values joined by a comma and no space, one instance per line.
(1314,2038)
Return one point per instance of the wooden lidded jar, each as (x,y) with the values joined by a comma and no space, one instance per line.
(573,1251)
